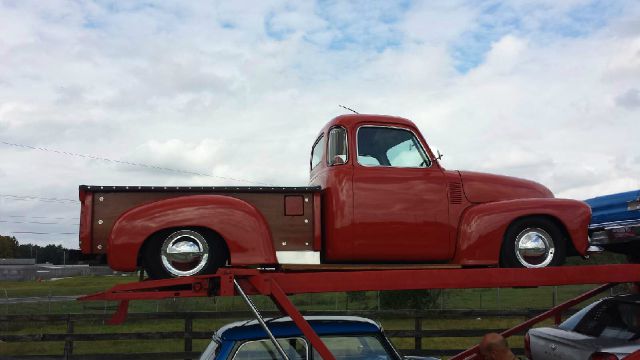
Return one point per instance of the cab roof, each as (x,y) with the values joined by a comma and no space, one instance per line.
(285,327)
(351,120)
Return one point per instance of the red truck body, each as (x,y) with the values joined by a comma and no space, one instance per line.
(377,195)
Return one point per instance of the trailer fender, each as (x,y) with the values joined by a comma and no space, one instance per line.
(240,224)
(483,227)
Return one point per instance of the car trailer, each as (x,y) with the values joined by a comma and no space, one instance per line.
(279,283)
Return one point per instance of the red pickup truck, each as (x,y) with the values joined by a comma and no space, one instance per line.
(377,195)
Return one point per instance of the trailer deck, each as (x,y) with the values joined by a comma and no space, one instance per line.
(278,284)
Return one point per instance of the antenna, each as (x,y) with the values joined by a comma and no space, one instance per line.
(344,107)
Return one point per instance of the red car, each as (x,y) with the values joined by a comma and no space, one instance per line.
(377,195)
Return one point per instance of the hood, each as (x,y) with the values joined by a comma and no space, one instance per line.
(482,188)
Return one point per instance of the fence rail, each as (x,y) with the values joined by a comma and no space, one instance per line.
(71,337)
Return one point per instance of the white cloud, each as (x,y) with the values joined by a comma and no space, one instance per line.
(239,90)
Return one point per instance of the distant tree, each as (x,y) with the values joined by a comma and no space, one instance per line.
(54,254)
(51,253)
(8,246)
(25,251)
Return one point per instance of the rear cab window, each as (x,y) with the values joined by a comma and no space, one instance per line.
(337,153)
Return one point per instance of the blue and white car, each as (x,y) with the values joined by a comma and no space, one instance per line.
(615,222)
(347,337)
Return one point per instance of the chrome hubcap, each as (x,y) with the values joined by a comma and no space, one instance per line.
(534,248)
(184,253)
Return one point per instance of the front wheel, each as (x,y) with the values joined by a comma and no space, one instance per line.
(533,243)
(184,252)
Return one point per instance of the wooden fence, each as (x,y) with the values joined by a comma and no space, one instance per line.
(70,336)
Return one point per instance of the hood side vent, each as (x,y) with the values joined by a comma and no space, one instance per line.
(455,193)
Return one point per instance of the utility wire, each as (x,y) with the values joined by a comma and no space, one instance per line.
(43,233)
(35,222)
(155,167)
(28,222)
(29,197)
(39,217)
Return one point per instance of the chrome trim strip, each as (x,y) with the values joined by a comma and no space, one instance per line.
(594,249)
(615,224)
(298,257)
(206,189)
(422,150)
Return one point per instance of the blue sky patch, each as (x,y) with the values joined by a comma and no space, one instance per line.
(536,23)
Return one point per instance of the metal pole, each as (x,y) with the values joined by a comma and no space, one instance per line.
(256,313)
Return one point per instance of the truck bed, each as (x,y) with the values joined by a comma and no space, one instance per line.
(102,205)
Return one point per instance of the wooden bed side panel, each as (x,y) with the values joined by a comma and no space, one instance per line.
(289,232)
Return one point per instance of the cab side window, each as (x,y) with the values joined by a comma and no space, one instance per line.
(393,147)
(337,149)
(317,151)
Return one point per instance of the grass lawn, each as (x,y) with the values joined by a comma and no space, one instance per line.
(68,286)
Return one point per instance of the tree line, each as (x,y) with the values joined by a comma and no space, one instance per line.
(10,248)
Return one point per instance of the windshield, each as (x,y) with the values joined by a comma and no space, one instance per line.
(356,348)
(295,348)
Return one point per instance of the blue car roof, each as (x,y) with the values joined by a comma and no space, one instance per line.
(285,327)
(632,195)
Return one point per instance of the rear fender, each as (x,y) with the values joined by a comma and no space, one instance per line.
(239,223)
(483,226)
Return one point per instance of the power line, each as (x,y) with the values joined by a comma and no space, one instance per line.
(40,217)
(38,198)
(93,157)
(43,233)
(34,222)
(28,222)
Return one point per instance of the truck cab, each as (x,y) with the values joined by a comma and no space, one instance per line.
(387,199)
(385,194)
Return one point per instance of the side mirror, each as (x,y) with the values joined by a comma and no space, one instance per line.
(438,155)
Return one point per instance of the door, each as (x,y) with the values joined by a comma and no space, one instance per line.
(399,199)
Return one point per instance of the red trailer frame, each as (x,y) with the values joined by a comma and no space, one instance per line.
(278,284)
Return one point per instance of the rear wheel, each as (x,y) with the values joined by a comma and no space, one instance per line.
(184,252)
(533,243)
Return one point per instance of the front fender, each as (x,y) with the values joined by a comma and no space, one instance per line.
(240,224)
(483,226)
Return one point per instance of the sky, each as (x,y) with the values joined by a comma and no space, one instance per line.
(234,93)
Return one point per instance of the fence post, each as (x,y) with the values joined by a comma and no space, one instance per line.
(418,335)
(49,303)
(68,342)
(188,333)
(6,296)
